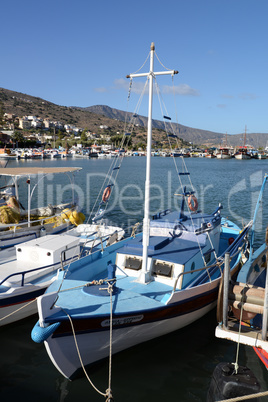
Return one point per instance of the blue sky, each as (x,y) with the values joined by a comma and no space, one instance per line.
(77,53)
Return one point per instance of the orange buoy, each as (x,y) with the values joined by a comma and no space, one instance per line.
(106,194)
(192,203)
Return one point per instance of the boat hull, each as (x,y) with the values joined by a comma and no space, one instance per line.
(242,156)
(21,304)
(94,345)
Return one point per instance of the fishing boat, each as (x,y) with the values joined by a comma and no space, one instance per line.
(19,223)
(242,152)
(224,151)
(142,287)
(29,268)
(7,154)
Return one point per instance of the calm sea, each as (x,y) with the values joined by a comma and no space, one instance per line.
(176,367)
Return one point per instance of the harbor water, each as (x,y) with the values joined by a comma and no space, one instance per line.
(178,366)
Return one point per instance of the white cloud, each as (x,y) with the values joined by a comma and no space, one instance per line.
(138,87)
(226,96)
(247,96)
(182,89)
(100,89)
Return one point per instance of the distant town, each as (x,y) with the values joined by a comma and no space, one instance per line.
(35,137)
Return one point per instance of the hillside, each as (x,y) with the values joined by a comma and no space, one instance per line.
(92,117)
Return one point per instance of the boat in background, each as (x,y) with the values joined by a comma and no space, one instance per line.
(225,152)
(29,268)
(142,287)
(242,152)
(6,154)
(18,224)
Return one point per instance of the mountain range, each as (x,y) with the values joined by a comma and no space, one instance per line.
(93,116)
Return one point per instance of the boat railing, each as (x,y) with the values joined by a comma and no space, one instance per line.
(24,273)
(207,268)
(211,268)
(84,251)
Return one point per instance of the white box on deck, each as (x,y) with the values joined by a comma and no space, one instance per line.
(47,250)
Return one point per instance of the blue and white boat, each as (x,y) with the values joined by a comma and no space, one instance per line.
(27,269)
(142,287)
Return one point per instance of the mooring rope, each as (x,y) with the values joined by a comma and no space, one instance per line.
(22,307)
(108,392)
(80,358)
(246,397)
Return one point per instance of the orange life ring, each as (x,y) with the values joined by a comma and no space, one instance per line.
(192,203)
(106,194)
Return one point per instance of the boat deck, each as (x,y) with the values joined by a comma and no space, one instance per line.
(95,299)
(177,249)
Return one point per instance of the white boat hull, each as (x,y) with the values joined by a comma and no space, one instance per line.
(93,348)
(23,309)
(223,156)
(242,156)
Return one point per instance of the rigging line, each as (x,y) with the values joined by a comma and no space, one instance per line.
(143,63)
(209,237)
(113,164)
(181,184)
(176,167)
(106,180)
(161,62)
(174,95)
(129,92)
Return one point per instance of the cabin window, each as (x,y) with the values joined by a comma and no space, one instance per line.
(162,269)
(193,266)
(133,263)
(207,257)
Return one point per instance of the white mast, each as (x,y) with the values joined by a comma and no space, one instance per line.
(145,275)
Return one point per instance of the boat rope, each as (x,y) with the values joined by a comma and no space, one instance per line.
(134,229)
(246,397)
(143,64)
(79,356)
(108,392)
(236,366)
(161,62)
(184,168)
(117,161)
(15,311)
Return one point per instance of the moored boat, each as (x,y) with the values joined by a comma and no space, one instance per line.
(224,153)
(142,287)
(19,223)
(29,268)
